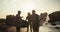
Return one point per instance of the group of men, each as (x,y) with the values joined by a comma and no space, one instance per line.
(33,21)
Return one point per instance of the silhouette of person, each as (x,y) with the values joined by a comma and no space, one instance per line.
(18,20)
(35,21)
(29,22)
(42,18)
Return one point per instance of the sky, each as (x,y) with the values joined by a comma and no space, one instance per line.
(10,7)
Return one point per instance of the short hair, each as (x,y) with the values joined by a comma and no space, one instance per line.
(19,11)
(33,10)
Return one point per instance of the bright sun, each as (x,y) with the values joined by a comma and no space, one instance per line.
(28,6)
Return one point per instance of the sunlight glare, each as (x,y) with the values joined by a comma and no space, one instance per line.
(28,6)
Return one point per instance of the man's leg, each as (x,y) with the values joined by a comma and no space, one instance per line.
(27,28)
(31,27)
(35,29)
(17,29)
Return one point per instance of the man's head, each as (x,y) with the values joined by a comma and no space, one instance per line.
(19,12)
(33,11)
(29,14)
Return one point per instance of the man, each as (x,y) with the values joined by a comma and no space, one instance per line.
(35,21)
(18,20)
(29,22)
(42,18)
